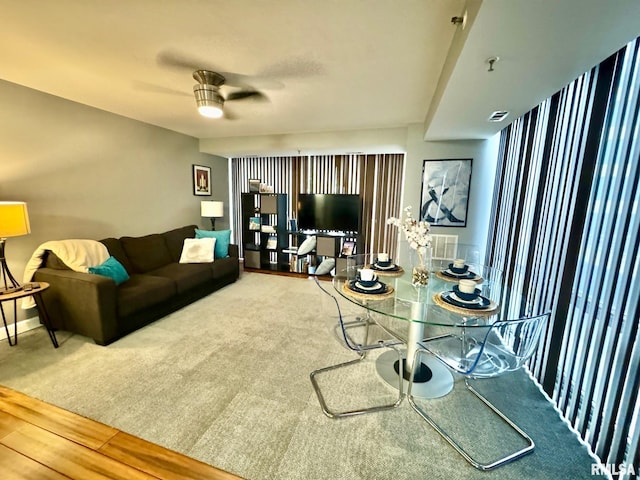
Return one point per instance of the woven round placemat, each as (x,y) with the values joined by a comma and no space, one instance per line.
(368,296)
(446,278)
(492,309)
(387,273)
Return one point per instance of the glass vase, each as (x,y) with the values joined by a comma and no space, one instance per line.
(421,264)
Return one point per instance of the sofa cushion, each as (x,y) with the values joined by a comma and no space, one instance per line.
(143,291)
(115,250)
(51,260)
(185,275)
(225,267)
(146,253)
(175,239)
(111,268)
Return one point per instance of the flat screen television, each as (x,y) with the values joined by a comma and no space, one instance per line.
(339,212)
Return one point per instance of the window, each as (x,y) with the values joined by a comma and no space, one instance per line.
(376,178)
(565,230)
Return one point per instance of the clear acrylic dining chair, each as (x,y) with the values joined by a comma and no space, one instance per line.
(361,349)
(484,351)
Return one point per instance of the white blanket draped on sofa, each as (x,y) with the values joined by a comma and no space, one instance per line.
(77,254)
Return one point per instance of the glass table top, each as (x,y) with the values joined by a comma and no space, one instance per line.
(421,304)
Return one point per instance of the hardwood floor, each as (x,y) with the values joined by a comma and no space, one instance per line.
(41,441)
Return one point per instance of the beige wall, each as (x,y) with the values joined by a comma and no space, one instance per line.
(379,140)
(86,173)
(484,154)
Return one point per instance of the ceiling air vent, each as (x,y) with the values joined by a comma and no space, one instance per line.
(498,116)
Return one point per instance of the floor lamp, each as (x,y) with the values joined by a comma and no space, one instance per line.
(14,222)
(212,210)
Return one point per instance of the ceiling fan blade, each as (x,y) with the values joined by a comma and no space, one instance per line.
(177,60)
(228,115)
(152,88)
(244,94)
(172,59)
(293,68)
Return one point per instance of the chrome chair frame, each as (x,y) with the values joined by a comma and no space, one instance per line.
(468,373)
(361,350)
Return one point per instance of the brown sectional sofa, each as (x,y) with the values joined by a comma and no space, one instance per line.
(93,306)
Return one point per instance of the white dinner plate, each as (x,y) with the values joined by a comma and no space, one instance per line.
(375,286)
(388,267)
(457,274)
(452,299)
(476,301)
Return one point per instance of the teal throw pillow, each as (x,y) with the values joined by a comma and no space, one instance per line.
(223,239)
(113,269)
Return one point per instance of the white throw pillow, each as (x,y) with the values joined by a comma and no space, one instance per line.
(198,250)
(306,246)
(326,266)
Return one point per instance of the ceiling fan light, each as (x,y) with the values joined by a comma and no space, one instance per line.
(210,112)
(208,100)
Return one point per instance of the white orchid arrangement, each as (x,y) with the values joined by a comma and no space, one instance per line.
(416,232)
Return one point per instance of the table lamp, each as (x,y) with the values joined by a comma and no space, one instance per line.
(14,222)
(212,210)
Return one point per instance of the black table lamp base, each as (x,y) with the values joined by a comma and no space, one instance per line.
(10,283)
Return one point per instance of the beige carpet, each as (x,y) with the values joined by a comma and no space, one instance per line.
(226,380)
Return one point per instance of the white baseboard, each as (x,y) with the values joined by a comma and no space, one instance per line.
(23,326)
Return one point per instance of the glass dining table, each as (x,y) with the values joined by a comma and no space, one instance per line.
(411,313)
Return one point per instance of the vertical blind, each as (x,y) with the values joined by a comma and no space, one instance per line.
(565,230)
(377,178)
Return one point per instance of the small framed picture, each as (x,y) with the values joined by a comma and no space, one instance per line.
(347,248)
(254,185)
(272,243)
(254,223)
(201,180)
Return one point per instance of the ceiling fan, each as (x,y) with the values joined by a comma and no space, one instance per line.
(208,91)
(210,101)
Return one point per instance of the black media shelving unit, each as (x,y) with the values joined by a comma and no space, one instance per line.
(264,231)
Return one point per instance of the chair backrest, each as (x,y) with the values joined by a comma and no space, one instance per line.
(444,247)
(482,351)
(343,331)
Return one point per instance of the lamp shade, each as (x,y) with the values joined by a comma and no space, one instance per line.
(14,219)
(211,209)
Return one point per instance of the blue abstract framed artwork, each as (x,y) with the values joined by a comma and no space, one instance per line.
(445,192)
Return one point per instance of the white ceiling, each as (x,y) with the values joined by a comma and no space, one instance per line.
(325,65)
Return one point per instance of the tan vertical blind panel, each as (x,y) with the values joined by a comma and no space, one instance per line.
(377,178)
